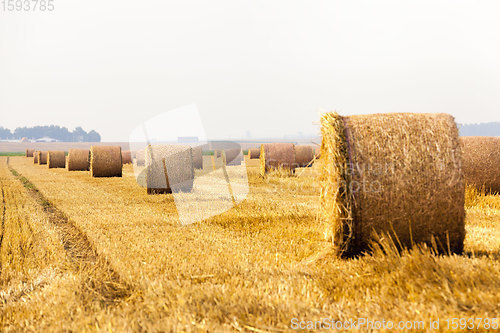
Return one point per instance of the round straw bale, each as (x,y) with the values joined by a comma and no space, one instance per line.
(35,157)
(29,152)
(391,174)
(169,169)
(481,162)
(126,157)
(140,157)
(106,161)
(56,159)
(78,160)
(253,153)
(197,157)
(303,156)
(42,157)
(234,156)
(277,156)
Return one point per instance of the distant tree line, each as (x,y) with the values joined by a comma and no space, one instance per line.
(484,129)
(52,131)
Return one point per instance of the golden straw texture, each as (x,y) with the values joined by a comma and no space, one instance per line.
(392,174)
(481,162)
(106,161)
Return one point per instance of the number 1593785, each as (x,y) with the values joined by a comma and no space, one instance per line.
(28,5)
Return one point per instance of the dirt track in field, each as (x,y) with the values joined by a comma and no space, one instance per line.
(102,279)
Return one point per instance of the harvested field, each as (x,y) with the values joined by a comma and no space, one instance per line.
(228,273)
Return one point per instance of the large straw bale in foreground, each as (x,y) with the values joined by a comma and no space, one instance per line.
(277,156)
(169,169)
(197,157)
(29,152)
(396,174)
(106,161)
(253,153)
(303,156)
(481,162)
(79,160)
(56,159)
(42,157)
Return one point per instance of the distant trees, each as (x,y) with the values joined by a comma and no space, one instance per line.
(52,131)
(5,133)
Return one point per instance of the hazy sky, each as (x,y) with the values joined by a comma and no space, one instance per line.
(264,67)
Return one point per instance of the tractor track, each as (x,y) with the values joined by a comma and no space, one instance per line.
(99,278)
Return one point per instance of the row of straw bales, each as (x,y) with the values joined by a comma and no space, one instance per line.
(101,161)
(397,175)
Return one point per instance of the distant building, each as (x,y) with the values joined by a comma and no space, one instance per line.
(187,139)
(46,139)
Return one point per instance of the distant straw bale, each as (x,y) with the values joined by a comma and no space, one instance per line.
(79,160)
(481,162)
(29,152)
(275,156)
(254,153)
(317,153)
(197,157)
(35,157)
(304,155)
(106,161)
(56,159)
(169,169)
(126,157)
(393,174)
(42,157)
(140,158)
